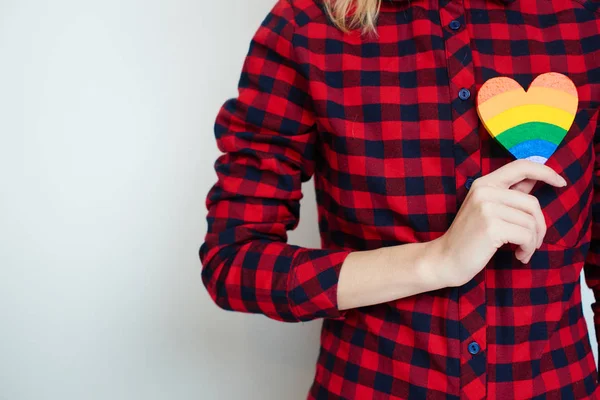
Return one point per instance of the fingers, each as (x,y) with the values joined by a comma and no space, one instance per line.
(520,201)
(518,171)
(518,215)
(520,218)
(505,232)
(525,186)
(509,213)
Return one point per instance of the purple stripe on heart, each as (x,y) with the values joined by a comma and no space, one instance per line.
(537,159)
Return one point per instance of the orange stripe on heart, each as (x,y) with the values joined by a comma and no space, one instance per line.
(529,124)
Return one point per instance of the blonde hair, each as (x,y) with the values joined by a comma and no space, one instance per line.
(352,14)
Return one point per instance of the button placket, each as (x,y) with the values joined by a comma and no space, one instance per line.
(472,299)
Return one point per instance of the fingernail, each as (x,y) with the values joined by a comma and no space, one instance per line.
(562,181)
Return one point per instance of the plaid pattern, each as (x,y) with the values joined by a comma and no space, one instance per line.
(392,146)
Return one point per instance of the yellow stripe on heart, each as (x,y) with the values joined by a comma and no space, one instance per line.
(529,113)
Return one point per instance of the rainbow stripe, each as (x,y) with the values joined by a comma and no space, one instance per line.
(529,124)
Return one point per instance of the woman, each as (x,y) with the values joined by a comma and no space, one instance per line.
(448,270)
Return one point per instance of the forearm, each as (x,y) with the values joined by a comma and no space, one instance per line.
(387,274)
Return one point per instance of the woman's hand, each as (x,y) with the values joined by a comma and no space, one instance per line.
(497,210)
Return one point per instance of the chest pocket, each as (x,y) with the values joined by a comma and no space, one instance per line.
(567,210)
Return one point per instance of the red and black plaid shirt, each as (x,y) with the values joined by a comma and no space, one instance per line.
(388,128)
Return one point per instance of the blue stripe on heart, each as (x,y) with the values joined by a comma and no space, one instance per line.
(534,147)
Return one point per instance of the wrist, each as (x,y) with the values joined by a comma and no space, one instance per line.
(433,264)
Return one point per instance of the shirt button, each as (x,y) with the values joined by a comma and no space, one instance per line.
(474,348)
(455,25)
(464,94)
(469,182)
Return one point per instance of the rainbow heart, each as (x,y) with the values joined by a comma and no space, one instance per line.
(529,124)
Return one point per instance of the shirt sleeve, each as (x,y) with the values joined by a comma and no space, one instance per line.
(267,135)
(591,266)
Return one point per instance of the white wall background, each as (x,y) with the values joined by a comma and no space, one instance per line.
(106,156)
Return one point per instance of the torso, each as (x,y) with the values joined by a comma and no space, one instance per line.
(397,146)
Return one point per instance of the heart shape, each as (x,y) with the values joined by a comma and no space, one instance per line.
(529,124)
